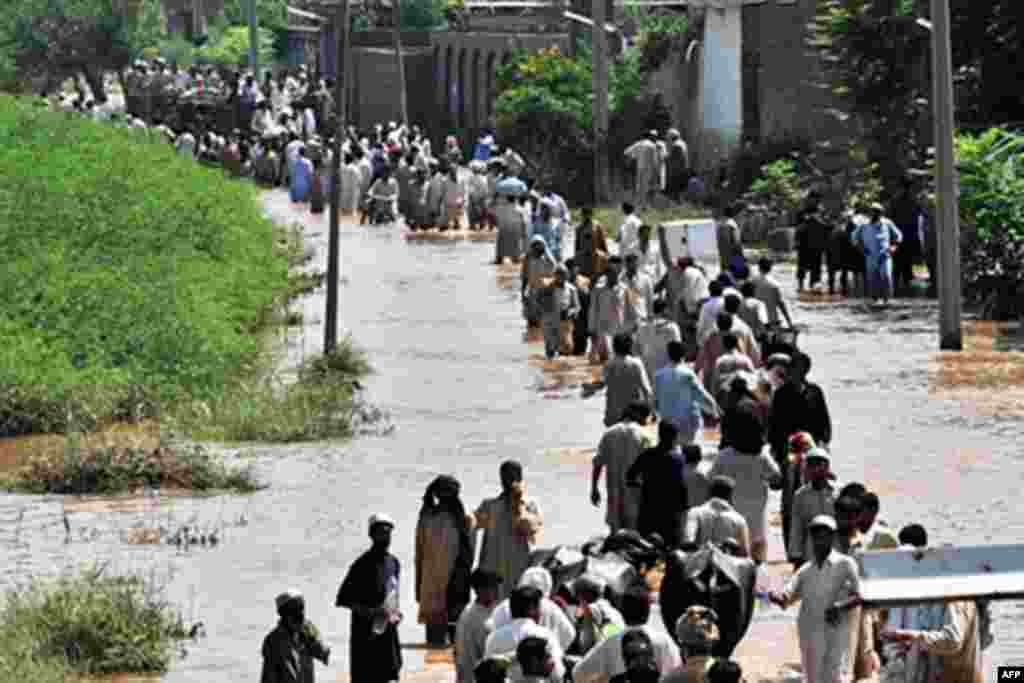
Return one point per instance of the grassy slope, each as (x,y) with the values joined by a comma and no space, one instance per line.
(130,275)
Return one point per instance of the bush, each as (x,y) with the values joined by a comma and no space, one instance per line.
(135,276)
(177,50)
(545,111)
(91,624)
(232,47)
(992,216)
(778,188)
(318,405)
(108,471)
(658,35)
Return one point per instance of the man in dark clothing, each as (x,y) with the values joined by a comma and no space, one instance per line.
(580,332)
(904,213)
(797,406)
(812,236)
(370,590)
(660,473)
(289,650)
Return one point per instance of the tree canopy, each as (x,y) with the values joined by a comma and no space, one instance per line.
(54,39)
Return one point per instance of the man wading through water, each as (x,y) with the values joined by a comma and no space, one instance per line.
(370,590)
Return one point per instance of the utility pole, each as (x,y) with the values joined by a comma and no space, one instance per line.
(947,223)
(396,18)
(254,42)
(334,239)
(600,86)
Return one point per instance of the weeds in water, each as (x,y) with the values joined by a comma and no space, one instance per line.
(319,404)
(91,623)
(115,470)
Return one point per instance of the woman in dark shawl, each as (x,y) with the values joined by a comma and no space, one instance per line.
(444,559)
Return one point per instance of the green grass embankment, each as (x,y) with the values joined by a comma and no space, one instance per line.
(139,284)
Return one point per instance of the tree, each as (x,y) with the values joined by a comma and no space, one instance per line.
(232,48)
(270,14)
(544,109)
(876,63)
(58,39)
(992,214)
(876,60)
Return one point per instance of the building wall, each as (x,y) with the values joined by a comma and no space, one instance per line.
(782,71)
(376,97)
(678,81)
(722,85)
(464,70)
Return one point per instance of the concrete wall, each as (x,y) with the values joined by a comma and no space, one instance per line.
(464,78)
(722,110)
(782,70)
(678,81)
(375,95)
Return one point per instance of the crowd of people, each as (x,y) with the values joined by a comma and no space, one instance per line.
(282,138)
(680,350)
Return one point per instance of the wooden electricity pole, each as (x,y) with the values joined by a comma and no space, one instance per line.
(254,41)
(334,239)
(396,18)
(600,85)
(947,219)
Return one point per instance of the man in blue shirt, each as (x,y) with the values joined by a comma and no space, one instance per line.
(550,229)
(679,396)
(879,239)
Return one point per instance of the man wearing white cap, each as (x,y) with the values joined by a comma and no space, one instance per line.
(815,498)
(551,615)
(370,590)
(827,587)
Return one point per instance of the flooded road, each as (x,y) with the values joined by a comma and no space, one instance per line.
(442,327)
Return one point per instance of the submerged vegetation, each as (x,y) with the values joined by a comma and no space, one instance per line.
(114,470)
(91,623)
(320,403)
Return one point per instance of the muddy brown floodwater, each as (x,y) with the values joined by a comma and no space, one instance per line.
(466,391)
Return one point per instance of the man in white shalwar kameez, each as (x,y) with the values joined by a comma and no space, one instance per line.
(827,588)
(475,625)
(647,156)
(552,617)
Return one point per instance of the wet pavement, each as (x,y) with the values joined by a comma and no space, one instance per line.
(442,326)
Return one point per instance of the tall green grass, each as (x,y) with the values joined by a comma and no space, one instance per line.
(317,404)
(132,276)
(91,623)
